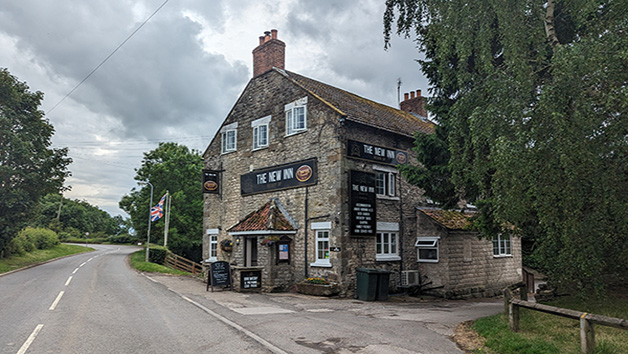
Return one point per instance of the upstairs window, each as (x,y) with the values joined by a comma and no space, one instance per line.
(501,246)
(385,181)
(296,116)
(229,137)
(260,132)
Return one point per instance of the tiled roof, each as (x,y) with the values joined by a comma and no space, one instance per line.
(453,220)
(270,217)
(362,110)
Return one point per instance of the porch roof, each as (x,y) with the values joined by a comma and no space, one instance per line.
(271,217)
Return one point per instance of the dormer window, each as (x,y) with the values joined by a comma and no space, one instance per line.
(229,137)
(296,116)
(260,132)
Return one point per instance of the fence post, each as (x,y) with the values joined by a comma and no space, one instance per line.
(513,317)
(587,335)
(523,292)
(507,296)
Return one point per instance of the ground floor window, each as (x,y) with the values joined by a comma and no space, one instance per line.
(212,238)
(322,247)
(501,246)
(386,246)
(427,249)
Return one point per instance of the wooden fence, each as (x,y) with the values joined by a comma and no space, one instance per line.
(587,334)
(184,264)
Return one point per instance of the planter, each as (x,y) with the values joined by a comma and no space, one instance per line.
(318,289)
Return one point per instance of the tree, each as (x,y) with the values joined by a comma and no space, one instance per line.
(176,169)
(532,98)
(29,167)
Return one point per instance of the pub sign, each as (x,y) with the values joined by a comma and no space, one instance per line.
(362,203)
(291,175)
(380,154)
(211,181)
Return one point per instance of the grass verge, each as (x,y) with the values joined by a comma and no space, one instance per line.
(138,262)
(546,334)
(38,256)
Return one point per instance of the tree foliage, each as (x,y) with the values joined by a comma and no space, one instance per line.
(532,98)
(176,169)
(29,167)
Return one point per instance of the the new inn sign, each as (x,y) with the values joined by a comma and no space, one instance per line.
(292,175)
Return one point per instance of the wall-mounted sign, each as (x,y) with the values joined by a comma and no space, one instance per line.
(362,203)
(211,181)
(380,154)
(292,175)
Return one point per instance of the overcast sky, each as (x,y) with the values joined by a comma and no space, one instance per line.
(179,75)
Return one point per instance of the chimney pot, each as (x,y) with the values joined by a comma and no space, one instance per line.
(411,94)
(273,33)
(405,96)
(418,93)
(261,40)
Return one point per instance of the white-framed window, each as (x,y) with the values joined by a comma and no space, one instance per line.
(229,137)
(427,249)
(296,116)
(260,132)
(501,246)
(387,242)
(323,230)
(385,181)
(212,244)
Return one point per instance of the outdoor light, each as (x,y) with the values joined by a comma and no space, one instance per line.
(238,241)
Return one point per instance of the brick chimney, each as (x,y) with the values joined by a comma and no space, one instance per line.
(413,104)
(270,53)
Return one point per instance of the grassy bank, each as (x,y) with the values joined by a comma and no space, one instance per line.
(37,256)
(137,261)
(545,334)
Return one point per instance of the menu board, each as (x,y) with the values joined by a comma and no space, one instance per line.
(250,279)
(362,203)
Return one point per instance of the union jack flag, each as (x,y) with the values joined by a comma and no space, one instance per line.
(157,212)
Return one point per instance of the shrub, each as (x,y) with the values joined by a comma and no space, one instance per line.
(157,254)
(40,237)
(124,238)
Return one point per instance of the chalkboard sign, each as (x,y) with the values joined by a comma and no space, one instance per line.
(219,274)
(250,279)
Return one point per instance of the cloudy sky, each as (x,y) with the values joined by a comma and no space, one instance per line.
(179,75)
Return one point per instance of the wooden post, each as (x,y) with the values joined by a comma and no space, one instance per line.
(587,335)
(507,297)
(513,317)
(524,292)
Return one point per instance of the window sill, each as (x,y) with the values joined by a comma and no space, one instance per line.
(260,148)
(211,260)
(387,197)
(387,258)
(228,152)
(427,261)
(502,256)
(296,133)
(322,265)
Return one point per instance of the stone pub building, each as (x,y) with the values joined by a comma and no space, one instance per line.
(301,181)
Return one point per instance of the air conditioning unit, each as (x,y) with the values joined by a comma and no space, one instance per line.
(409,277)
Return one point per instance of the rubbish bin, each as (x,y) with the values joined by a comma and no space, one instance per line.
(367,283)
(383,278)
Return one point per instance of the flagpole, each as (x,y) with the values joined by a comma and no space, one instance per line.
(150,205)
(168,199)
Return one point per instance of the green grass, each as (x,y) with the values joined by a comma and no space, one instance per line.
(137,261)
(37,256)
(545,333)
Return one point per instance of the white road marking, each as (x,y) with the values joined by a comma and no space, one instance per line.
(89,259)
(153,280)
(69,280)
(82,264)
(236,326)
(320,310)
(260,310)
(56,302)
(30,339)
(75,270)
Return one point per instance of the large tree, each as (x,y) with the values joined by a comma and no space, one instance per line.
(532,99)
(29,167)
(176,169)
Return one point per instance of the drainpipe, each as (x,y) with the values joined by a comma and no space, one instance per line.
(307,190)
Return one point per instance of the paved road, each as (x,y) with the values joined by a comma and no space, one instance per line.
(106,307)
(94,303)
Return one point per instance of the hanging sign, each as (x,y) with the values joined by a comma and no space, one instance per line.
(292,175)
(211,182)
(380,154)
(362,199)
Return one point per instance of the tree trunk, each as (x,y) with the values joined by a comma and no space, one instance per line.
(550,28)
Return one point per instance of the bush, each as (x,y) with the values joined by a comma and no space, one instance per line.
(124,238)
(17,246)
(157,254)
(41,238)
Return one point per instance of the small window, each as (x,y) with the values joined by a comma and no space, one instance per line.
(213,247)
(296,116)
(386,246)
(260,132)
(385,183)
(322,249)
(501,246)
(229,137)
(427,249)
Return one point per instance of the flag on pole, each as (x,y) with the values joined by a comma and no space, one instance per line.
(157,212)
